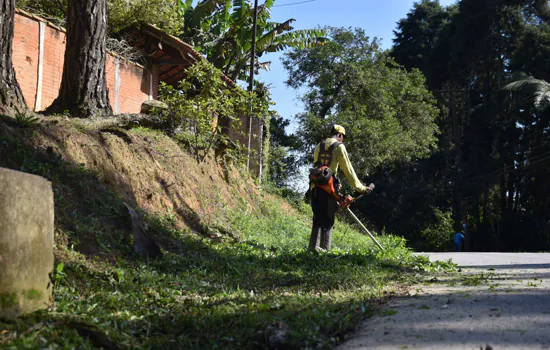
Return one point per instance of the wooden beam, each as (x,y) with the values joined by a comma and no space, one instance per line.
(171,62)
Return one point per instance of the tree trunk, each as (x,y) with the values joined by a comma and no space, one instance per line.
(510,188)
(83,91)
(485,223)
(503,201)
(11,97)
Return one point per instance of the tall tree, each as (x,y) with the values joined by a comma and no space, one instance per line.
(389,112)
(493,149)
(11,97)
(83,91)
(416,39)
(282,162)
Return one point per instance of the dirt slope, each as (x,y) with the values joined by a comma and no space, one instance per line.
(93,172)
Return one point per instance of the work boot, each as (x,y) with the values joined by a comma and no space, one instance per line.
(314,239)
(326,239)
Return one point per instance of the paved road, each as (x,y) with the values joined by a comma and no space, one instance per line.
(496,301)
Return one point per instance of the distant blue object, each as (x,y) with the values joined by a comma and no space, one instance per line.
(459,238)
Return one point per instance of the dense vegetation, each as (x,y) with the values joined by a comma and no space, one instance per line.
(491,167)
(488,167)
(239,278)
(434,122)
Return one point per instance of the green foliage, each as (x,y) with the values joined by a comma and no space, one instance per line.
(277,165)
(121,13)
(283,165)
(26,120)
(475,280)
(52,10)
(162,13)
(222,30)
(540,89)
(237,290)
(388,113)
(491,164)
(201,100)
(439,233)
(416,43)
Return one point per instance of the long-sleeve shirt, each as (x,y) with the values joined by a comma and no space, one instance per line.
(340,159)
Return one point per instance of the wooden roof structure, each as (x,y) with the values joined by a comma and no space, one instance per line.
(172,55)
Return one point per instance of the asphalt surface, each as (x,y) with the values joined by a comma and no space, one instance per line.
(495,301)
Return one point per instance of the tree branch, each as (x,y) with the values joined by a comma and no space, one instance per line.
(124,121)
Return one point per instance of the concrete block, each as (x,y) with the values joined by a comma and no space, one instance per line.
(26,242)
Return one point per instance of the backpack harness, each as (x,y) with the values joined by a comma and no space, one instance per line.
(322,176)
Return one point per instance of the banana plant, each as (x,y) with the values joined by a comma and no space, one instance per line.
(222,30)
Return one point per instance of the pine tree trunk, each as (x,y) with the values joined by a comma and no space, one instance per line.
(83,89)
(11,97)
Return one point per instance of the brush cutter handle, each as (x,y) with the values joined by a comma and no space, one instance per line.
(358,195)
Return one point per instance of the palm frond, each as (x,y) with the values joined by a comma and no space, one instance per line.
(269,4)
(300,39)
(522,81)
(528,84)
(542,99)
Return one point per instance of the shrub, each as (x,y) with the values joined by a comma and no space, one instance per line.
(439,233)
(200,101)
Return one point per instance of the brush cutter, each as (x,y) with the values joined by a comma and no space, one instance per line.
(346,202)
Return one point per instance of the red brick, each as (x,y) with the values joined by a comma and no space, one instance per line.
(134,84)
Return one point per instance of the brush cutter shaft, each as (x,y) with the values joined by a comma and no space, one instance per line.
(363,226)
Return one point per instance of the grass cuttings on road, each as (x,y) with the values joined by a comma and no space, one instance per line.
(263,291)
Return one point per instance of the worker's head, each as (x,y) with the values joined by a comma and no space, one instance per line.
(338,132)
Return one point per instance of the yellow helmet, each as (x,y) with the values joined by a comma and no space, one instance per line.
(338,129)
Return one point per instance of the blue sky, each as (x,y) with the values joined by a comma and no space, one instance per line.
(377,17)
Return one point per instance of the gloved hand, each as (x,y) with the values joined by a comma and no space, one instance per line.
(366,189)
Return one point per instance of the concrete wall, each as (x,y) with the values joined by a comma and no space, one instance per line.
(240,135)
(38,55)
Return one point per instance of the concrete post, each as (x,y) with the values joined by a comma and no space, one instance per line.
(26,242)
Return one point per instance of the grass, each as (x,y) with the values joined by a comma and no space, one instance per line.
(255,288)
(262,292)
(475,280)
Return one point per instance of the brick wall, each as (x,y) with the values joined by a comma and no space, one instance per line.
(25,56)
(133,86)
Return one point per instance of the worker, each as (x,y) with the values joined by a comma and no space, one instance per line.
(332,153)
(459,238)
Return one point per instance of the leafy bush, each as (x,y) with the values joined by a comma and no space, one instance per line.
(161,13)
(201,100)
(122,13)
(439,233)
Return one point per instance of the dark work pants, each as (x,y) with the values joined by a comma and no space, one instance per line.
(324,209)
